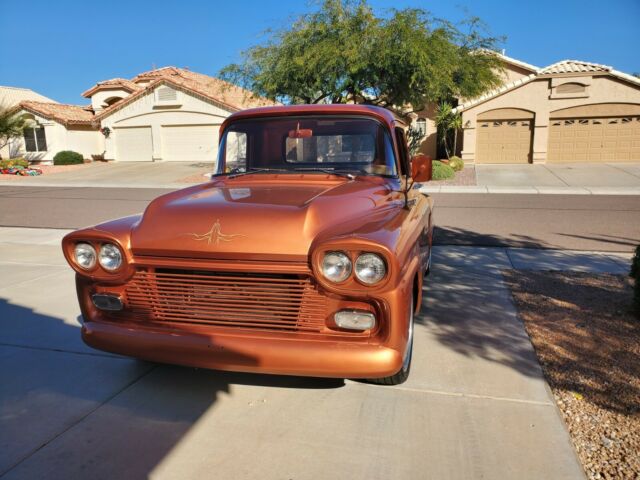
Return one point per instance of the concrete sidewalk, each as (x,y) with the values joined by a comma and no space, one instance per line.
(560,178)
(476,404)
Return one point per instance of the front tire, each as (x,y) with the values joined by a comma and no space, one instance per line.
(402,374)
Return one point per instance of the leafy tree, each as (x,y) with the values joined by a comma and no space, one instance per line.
(11,126)
(344,53)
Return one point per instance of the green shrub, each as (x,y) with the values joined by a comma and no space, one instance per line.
(67,157)
(635,273)
(14,162)
(442,171)
(456,163)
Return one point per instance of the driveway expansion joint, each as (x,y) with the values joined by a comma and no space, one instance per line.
(472,396)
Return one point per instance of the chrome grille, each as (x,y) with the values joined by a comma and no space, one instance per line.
(244,300)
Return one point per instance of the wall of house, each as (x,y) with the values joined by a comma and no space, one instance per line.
(55,135)
(539,96)
(429,144)
(82,140)
(85,141)
(145,111)
(513,72)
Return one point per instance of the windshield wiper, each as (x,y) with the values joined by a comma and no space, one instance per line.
(330,171)
(256,170)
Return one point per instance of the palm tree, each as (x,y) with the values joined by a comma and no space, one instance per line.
(443,115)
(456,125)
(11,126)
(447,120)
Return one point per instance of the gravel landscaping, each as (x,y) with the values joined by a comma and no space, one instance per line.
(588,343)
(465,177)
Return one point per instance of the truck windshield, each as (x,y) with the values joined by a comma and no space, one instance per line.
(307,144)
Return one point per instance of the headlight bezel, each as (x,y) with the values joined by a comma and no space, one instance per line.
(375,255)
(353,252)
(110,245)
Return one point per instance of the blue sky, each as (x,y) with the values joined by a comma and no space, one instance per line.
(61,48)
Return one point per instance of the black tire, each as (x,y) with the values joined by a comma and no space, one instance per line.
(402,375)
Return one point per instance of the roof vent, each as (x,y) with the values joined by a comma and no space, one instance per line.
(166,94)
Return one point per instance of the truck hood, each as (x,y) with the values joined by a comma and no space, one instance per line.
(253,221)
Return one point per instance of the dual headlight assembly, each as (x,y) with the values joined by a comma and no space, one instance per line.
(369,268)
(109,257)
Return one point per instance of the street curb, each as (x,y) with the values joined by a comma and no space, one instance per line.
(161,186)
(529,190)
(532,190)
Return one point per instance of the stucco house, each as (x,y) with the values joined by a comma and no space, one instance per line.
(166,114)
(570,111)
(424,121)
(9,98)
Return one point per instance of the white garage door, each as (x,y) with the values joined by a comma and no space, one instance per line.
(133,144)
(190,143)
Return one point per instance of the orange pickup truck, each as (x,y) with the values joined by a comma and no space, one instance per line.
(304,255)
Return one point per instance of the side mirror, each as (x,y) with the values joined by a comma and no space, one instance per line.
(421,168)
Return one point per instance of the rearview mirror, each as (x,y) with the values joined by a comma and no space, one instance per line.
(421,168)
(301,133)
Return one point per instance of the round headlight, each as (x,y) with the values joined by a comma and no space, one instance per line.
(370,268)
(336,266)
(110,257)
(85,255)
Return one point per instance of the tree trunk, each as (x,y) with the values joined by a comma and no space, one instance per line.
(455,141)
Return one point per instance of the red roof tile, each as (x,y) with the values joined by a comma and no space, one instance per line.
(65,114)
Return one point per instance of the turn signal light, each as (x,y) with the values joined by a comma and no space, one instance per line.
(110,303)
(355,320)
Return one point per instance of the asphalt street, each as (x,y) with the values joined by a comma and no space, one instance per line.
(575,222)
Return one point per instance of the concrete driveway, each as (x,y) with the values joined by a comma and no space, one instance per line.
(560,175)
(558,178)
(476,404)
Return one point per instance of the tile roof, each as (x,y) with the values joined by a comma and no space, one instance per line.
(228,96)
(212,87)
(113,83)
(574,66)
(577,66)
(559,68)
(11,96)
(65,114)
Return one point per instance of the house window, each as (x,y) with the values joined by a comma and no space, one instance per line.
(421,126)
(35,139)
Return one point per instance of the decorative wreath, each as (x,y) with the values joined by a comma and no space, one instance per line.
(106,131)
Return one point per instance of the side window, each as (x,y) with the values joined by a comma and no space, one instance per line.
(30,140)
(236,152)
(35,139)
(402,149)
(421,126)
(41,139)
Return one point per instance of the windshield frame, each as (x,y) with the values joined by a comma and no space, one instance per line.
(321,168)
